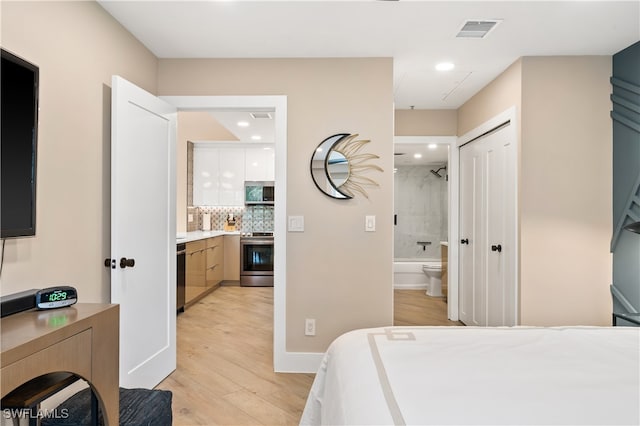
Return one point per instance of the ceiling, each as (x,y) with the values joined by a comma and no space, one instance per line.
(248,126)
(417,34)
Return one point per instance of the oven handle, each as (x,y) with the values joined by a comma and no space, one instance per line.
(257,242)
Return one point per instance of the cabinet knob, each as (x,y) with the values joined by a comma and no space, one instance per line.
(464,241)
(497,248)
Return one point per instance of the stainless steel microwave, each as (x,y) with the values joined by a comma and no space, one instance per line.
(259,192)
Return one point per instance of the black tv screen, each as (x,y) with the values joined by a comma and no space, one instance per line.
(19,123)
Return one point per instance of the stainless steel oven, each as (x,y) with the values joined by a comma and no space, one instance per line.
(256,260)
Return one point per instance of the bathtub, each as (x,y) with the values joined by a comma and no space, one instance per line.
(408,274)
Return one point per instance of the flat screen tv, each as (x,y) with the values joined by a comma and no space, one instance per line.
(19,140)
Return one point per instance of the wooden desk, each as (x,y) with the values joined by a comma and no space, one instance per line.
(82,339)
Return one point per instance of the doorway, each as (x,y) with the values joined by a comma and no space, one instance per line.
(283,361)
(422,221)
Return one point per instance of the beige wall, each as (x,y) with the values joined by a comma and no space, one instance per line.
(78,46)
(426,122)
(336,273)
(496,97)
(566,180)
(564,165)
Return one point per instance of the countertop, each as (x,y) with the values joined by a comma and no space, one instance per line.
(187,237)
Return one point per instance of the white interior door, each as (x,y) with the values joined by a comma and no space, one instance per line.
(488,245)
(500,229)
(472,278)
(143,233)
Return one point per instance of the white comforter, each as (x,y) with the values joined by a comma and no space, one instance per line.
(466,375)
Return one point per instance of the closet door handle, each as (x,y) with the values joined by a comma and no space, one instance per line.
(497,248)
(464,241)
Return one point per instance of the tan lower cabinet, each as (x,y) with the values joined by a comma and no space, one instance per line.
(204,268)
(195,266)
(231,258)
(215,261)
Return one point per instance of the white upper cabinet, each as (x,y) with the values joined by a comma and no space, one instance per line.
(231,176)
(206,179)
(260,163)
(220,170)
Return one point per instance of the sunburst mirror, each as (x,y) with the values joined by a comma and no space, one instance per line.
(336,166)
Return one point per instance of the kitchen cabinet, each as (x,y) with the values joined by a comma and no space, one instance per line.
(231,258)
(204,268)
(231,176)
(195,270)
(206,181)
(214,261)
(220,170)
(259,163)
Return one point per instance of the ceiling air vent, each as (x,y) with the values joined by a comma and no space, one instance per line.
(477,29)
(261,115)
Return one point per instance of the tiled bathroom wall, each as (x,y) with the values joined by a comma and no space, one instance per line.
(421,206)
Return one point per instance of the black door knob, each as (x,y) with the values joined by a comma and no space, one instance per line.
(124,262)
(464,241)
(497,248)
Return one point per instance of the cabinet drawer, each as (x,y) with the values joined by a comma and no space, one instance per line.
(195,263)
(215,261)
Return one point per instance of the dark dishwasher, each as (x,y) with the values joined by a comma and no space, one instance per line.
(180,279)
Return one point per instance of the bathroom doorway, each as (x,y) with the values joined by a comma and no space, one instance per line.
(422,219)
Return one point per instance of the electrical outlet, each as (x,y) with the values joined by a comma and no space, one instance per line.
(190,217)
(309,327)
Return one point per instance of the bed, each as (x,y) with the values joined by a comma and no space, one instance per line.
(469,375)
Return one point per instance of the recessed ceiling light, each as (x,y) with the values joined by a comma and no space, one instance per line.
(243,124)
(432,146)
(445,66)
(417,155)
(256,137)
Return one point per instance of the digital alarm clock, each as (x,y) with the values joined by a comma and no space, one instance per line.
(56,297)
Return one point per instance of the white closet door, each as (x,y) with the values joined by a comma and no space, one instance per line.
(472,239)
(488,246)
(500,230)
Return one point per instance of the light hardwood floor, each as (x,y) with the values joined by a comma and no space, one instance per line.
(225,358)
(414,307)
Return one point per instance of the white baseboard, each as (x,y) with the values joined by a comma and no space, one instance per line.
(409,286)
(298,362)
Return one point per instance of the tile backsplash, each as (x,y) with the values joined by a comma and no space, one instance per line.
(248,219)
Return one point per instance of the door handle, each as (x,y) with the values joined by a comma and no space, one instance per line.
(124,262)
(464,241)
(497,248)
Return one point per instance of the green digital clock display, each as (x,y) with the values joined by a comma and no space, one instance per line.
(56,297)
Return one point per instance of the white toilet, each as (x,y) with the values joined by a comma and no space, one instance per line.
(433,271)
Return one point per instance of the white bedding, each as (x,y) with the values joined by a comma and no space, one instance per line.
(467,375)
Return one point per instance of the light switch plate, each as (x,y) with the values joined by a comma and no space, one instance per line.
(370,223)
(296,224)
